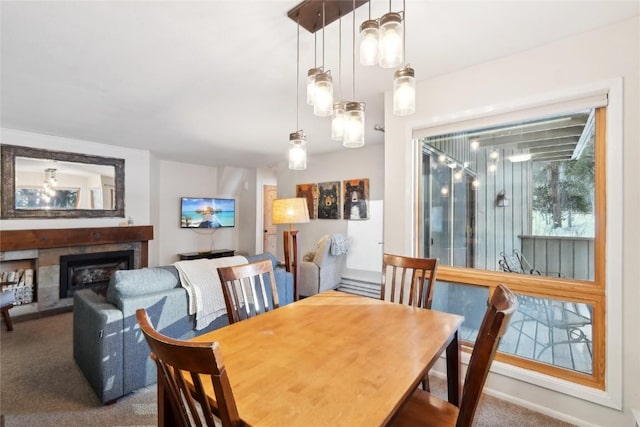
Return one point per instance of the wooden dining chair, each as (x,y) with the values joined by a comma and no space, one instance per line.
(202,361)
(248,289)
(421,272)
(425,409)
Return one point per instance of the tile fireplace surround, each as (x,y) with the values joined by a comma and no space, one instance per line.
(41,250)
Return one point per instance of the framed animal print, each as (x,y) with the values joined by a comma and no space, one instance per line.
(356,198)
(329,200)
(310,193)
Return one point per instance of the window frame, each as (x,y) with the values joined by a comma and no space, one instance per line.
(604,386)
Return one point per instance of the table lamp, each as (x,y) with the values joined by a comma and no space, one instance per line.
(291,211)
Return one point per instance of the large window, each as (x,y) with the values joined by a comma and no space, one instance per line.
(522,203)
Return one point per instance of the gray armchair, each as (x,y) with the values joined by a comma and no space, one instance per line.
(322,270)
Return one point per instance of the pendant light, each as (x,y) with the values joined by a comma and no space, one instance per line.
(297,151)
(313,72)
(297,139)
(404,92)
(354,119)
(354,125)
(390,40)
(323,88)
(369,41)
(338,114)
(404,81)
(323,95)
(311,83)
(337,121)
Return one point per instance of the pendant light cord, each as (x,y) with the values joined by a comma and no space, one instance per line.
(404,34)
(340,53)
(298,76)
(353,45)
(323,23)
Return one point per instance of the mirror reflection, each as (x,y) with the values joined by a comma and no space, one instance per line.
(39,183)
(53,184)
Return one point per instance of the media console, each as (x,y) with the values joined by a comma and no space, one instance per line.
(219,253)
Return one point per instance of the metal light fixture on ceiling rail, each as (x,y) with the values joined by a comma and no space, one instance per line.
(297,139)
(313,15)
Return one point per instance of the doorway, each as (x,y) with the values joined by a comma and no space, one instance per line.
(269,238)
(448,212)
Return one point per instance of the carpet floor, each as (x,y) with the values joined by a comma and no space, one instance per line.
(41,385)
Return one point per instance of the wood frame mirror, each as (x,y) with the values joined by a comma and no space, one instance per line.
(9,155)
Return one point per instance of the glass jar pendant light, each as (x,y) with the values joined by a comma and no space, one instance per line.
(323,95)
(297,139)
(369,42)
(311,84)
(337,121)
(354,125)
(323,87)
(404,92)
(297,151)
(390,40)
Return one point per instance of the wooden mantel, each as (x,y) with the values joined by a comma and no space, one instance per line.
(16,240)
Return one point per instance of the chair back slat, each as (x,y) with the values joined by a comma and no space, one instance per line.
(422,273)
(245,289)
(201,360)
(501,307)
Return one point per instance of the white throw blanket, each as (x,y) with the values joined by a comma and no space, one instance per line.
(200,279)
(339,244)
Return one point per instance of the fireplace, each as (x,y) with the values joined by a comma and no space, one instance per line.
(91,270)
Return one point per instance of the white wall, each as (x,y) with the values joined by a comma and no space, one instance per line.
(153,188)
(136,171)
(607,53)
(366,162)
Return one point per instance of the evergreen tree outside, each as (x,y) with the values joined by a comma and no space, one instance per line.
(563,196)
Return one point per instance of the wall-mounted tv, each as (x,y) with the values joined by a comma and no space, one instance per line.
(212,212)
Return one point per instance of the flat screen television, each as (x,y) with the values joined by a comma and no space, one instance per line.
(202,212)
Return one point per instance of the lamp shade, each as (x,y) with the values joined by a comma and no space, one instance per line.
(290,211)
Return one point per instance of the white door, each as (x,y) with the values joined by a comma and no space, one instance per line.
(365,238)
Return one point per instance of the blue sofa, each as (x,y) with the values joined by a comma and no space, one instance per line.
(107,343)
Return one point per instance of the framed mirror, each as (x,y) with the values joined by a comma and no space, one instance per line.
(40,183)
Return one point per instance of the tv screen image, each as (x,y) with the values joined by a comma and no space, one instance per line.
(209,212)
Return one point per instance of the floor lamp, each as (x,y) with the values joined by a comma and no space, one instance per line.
(291,211)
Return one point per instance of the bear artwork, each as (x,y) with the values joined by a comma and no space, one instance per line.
(328,200)
(356,195)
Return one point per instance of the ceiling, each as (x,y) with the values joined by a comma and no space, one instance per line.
(213,82)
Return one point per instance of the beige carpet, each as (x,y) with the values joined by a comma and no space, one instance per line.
(41,385)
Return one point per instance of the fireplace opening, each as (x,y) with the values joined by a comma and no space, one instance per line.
(91,271)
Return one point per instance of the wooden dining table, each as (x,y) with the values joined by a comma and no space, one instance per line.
(333,359)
